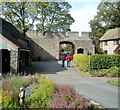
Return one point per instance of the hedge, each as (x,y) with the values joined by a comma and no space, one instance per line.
(102,61)
(97,61)
(82,61)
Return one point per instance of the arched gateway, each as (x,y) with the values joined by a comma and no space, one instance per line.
(48,47)
(71,52)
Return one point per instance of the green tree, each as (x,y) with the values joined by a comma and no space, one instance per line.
(54,16)
(108,17)
(19,14)
(47,16)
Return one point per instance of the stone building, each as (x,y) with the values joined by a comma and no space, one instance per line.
(48,47)
(110,41)
(14,51)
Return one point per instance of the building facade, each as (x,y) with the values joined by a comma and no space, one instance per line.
(110,41)
(14,49)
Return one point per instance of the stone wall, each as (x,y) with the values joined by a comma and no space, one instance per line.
(14,61)
(47,48)
(44,49)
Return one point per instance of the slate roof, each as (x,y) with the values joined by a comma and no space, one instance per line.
(111,34)
(9,32)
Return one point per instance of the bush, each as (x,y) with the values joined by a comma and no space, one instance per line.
(114,71)
(81,60)
(66,97)
(10,90)
(41,95)
(98,73)
(102,61)
(8,100)
(13,83)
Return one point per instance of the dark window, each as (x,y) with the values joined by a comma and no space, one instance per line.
(116,42)
(105,52)
(80,51)
(105,43)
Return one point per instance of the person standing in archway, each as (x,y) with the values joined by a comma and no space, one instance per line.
(68,59)
(63,59)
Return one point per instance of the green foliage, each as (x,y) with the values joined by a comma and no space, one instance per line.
(107,17)
(99,61)
(98,73)
(13,83)
(41,95)
(81,60)
(114,82)
(49,16)
(8,100)
(95,107)
(114,71)
(10,90)
(111,72)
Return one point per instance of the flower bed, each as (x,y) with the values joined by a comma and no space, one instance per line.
(45,95)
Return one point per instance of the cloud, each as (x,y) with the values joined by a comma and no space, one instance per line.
(83,12)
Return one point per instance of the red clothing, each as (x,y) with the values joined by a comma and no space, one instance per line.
(68,58)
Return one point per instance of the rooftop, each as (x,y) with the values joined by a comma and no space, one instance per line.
(10,32)
(111,34)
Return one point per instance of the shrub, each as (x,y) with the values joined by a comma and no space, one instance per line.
(102,61)
(114,71)
(41,95)
(98,73)
(8,100)
(66,97)
(13,83)
(10,89)
(82,60)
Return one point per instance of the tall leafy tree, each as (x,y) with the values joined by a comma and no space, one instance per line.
(20,14)
(53,16)
(47,16)
(108,17)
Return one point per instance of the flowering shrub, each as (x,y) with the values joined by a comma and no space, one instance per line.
(10,90)
(66,97)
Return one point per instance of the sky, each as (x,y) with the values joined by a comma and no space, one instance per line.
(83,11)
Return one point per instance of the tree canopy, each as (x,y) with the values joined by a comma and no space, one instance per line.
(45,16)
(108,17)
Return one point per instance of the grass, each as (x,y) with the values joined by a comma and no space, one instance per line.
(114,82)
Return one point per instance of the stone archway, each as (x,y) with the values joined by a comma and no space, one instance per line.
(80,51)
(70,52)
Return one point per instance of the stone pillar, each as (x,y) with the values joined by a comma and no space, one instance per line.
(14,61)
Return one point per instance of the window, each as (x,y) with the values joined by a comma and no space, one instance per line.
(116,42)
(105,43)
(105,52)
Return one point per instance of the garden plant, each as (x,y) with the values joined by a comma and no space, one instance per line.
(45,95)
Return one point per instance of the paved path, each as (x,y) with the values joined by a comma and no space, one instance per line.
(94,88)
